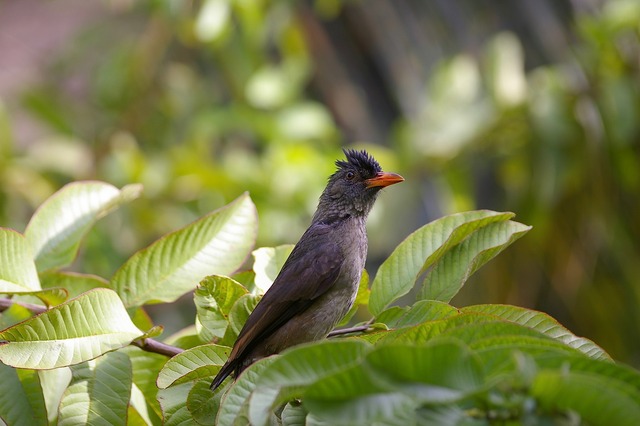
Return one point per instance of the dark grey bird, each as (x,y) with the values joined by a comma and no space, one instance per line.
(319,281)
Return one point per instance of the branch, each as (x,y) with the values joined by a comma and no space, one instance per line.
(356,329)
(151,345)
(148,344)
(36,309)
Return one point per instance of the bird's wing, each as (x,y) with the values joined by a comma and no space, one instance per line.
(311,269)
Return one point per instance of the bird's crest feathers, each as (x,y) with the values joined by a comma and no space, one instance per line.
(361,160)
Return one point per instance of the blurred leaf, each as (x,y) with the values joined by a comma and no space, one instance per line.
(99,392)
(17,269)
(58,226)
(215,244)
(543,323)
(73,282)
(451,271)
(21,400)
(422,249)
(597,399)
(419,312)
(438,372)
(192,364)
(214,299)
(76,331)
(300,367)
(267,264)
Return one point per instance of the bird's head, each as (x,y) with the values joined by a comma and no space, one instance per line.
(353,188)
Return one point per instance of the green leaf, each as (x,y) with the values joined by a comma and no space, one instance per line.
(267,264)
(419,312)
(192,364)
(543,323)
(294,414)
(597,399)
(21,400)
(78,330)
(73,282)
(214,298)
(99,392)
(241,310)
(235,403)
(362,298)
(441,371)
(146,367)
(17,269)
(299,367)
(173,401)
(58,226)
(13,315)
(217,243)
(50,296)
(451,272)
(54,383)
(202,403)
(423,248)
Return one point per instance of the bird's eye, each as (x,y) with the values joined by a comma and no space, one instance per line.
(350,175)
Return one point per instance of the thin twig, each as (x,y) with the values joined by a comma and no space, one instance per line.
(356,329)
(148,344)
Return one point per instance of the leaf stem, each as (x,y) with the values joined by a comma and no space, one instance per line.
(147,344)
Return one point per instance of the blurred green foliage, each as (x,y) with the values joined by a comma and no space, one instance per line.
(200,101)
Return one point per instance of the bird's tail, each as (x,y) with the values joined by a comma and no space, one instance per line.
(224,372)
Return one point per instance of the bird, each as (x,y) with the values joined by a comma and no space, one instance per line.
(318,282)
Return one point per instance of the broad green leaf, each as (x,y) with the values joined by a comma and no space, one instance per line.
(73,282)
(543,323)
(13,315)
(267,264)
(235,402)
(214,298)
(54,382)
(454,268)
(217,243)
(49,296)
(299,367)
(362,298)
(419,312)
(99,392)
(17,269)
(78,330)
(192,364)
(21,400)
(442,371)
(202,403)
(173,401)
(241,310)
(598,399)
(304,364)
(294,414)
(423,248)
(58,226)
(146,367)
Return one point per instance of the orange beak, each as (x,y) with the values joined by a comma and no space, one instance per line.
(383,179)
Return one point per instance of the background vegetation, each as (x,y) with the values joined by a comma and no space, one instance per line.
(529,107)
